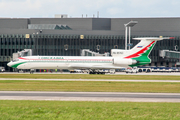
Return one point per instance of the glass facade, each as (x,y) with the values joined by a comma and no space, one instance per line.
(70,45)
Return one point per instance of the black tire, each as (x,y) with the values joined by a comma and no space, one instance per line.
(140,70)
(148,70)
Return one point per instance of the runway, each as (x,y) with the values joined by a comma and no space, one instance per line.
(90,96)
(112,80)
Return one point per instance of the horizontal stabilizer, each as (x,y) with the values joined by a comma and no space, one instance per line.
(153,38)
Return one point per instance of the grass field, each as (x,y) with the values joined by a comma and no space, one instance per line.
(87,76)
(72,110)
(89,86)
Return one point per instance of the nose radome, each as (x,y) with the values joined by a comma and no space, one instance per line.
(9,64)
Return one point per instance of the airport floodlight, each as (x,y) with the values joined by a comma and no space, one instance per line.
(129,25)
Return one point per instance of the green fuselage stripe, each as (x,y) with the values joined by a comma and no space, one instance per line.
(16,65)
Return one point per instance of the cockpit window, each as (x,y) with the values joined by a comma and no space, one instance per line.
(15,60)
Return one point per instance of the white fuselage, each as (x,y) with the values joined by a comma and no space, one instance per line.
(68,62)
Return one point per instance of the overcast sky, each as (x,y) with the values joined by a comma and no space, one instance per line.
(75,8)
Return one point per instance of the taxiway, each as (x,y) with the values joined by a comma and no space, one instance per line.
(90,96)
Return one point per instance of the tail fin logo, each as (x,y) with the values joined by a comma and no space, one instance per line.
(139,46)
(144,50)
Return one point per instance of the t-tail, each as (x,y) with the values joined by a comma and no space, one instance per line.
(140,52)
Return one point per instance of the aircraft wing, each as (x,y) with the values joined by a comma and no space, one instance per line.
(93,67)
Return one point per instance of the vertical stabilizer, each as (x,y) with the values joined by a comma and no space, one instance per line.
(141,51)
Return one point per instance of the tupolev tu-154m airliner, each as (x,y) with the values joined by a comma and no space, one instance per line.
(136,56)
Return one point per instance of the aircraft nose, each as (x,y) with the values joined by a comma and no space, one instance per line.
(9,64)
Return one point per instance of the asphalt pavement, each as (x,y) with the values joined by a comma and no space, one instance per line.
(90,96)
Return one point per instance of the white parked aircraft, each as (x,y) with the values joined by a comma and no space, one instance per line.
(136,56)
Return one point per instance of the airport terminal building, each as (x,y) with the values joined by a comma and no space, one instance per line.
(68,36)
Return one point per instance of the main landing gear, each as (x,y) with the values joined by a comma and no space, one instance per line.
(96,72)
(31,71)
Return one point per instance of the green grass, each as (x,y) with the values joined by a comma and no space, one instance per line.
(89,86)
(87,76)
(73,110)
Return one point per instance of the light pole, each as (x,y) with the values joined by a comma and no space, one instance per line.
(129,25)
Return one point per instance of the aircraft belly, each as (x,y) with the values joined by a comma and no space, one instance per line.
(49,66)
(38,65)
(92,66)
